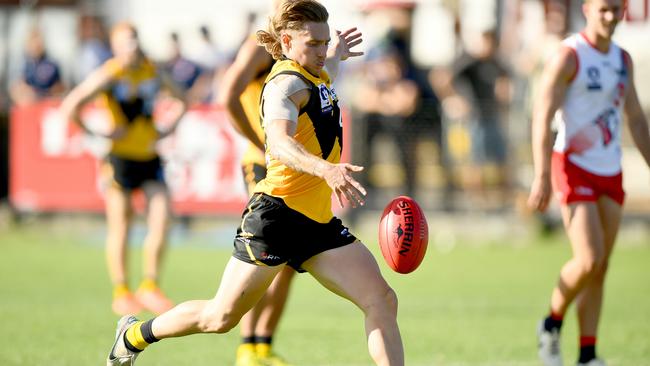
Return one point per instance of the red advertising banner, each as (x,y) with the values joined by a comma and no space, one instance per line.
(54,166)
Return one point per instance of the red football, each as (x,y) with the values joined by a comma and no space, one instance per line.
(403,234)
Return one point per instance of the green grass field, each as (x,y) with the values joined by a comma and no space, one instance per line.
(477,304)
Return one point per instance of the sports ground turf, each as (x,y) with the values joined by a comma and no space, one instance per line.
(477,304)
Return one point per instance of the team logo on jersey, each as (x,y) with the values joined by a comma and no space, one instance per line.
(607,123)
(593,73)
(326,98)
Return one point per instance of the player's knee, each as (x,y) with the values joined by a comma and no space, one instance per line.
(385,302)
(216,322)
(587,267)
(592,264)
(391,300)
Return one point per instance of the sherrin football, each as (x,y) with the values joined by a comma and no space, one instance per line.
(403,234)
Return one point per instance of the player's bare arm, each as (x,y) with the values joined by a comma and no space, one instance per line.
(179,106)
(250,60)
(82,94)
(637,122)
(340,50)
(282,146)
(555,81)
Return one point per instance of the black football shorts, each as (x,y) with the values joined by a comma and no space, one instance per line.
(132,174)
(271,234)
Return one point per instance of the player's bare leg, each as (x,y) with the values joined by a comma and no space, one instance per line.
(246,355)
(248,321)
(242,285)
(352,272)
(258,325)
(583,225)
(118,217)
(589,300)
(271,307)
(158,217)
(272,304)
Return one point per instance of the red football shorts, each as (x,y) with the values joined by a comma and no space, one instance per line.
(574,184)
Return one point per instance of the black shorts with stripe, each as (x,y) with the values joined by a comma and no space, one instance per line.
(132,174)
(271,234)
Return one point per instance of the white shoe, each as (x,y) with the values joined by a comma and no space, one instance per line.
(594,362)
(120,355)
(548,346)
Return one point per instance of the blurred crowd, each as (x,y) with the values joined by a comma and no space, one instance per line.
(40,75)
(453,134)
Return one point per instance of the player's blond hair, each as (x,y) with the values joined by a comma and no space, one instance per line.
(292,14)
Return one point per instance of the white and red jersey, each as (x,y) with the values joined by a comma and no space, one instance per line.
(589,121)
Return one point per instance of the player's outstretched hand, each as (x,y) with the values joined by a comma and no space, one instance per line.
(339,178)
(344,42)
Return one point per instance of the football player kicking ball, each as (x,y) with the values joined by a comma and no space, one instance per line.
(289,220)
(590,83)
(240,93)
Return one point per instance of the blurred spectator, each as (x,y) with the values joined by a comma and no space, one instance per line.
(183,71)
(213,62)
(387,99)
(93,48)
(397,99)
(397,102)
(555,29)
(187,74)
(251,25)
(476,89)
(529,63)
(209,57)
(40,78)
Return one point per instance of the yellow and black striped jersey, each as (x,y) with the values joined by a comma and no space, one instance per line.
(320,131)
(130,99)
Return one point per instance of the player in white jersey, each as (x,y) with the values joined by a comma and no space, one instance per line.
(587,87)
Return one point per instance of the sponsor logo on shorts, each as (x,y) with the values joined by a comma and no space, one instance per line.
(584,191)
(267,256)
(345,232)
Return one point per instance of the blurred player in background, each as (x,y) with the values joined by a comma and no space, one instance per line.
(590,83)
(127,85)
(41,77)
(240,92)
(289,220)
